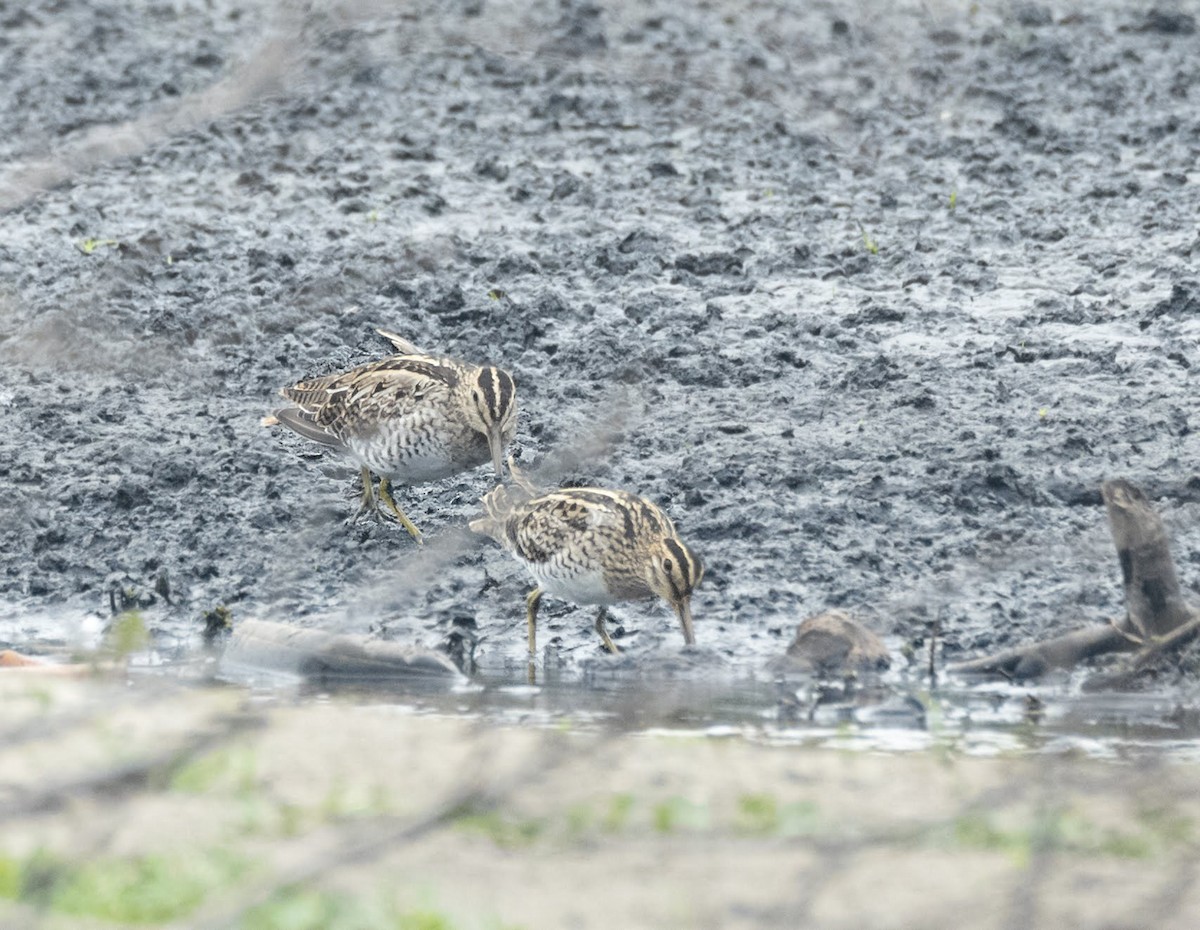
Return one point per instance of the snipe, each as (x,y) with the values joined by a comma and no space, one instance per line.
(409,418)
(592,546)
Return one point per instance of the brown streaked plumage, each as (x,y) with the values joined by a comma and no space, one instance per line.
(592,546)
(410,418)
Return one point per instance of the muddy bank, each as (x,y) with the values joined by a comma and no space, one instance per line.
(870,299)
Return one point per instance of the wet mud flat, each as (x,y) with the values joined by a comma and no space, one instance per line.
(871,298)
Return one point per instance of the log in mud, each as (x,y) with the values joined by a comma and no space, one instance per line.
(1157,620)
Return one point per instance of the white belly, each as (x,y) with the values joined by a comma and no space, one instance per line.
(578,587)
(417,464)
(431,465)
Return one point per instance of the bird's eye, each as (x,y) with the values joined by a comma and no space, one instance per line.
(668,565)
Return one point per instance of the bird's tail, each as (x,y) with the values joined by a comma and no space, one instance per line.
(498,504)
(502,502)
(402,345)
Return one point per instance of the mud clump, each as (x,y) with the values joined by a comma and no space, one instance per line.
(833,642)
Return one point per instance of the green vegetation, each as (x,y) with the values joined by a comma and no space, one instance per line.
(1061,831)
(10,877)
(763,815)
(868,243)
(308,909)
(766,815)
(143,890)
(620,806)
(127,634)
(162,887)
(1168,826)
(800,818)
(679,813)
(977,831)
(506,832)
(580,819)
(757,813)
(88,246)
(231,769)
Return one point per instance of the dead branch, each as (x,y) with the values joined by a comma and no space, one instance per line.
(1153,650)
(1157,617)
(1152,594)
(264,645)
(1036,659)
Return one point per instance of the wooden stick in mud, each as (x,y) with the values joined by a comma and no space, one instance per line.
(1157,618)
(1152,595)
(1060,652)
(1176,639)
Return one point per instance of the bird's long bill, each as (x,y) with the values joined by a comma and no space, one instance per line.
(496,444)
(683,610)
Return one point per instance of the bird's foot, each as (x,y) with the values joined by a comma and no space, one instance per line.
(385,495)
(368,503)
(602,629)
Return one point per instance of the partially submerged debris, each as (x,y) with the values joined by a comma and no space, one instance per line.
(280,648)
(218,623)
(1157,618)
(13,661)
(833,641)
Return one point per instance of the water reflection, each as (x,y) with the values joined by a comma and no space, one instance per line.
(693,695)
(896,716)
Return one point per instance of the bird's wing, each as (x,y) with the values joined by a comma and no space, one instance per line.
(557,521)
(299,421)
(392,387)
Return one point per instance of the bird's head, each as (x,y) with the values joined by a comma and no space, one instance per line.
(673,573)
(492,410)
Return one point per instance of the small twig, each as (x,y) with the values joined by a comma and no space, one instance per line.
(1153,650)
(935,629)
(1173,640)
(1132,637)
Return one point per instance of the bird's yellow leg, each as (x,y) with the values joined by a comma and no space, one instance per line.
(603,631)
(532,601)
(385,495)
(368,492)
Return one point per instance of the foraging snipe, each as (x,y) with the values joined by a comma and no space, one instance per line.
(592,546)
(410,418)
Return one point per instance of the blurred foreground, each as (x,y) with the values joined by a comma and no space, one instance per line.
(165,805)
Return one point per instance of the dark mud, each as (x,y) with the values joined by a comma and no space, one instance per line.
(871,297)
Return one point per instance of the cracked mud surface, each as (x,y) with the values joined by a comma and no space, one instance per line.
(869,297)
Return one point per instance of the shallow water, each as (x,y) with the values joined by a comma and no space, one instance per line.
(895,714)
(694,693)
